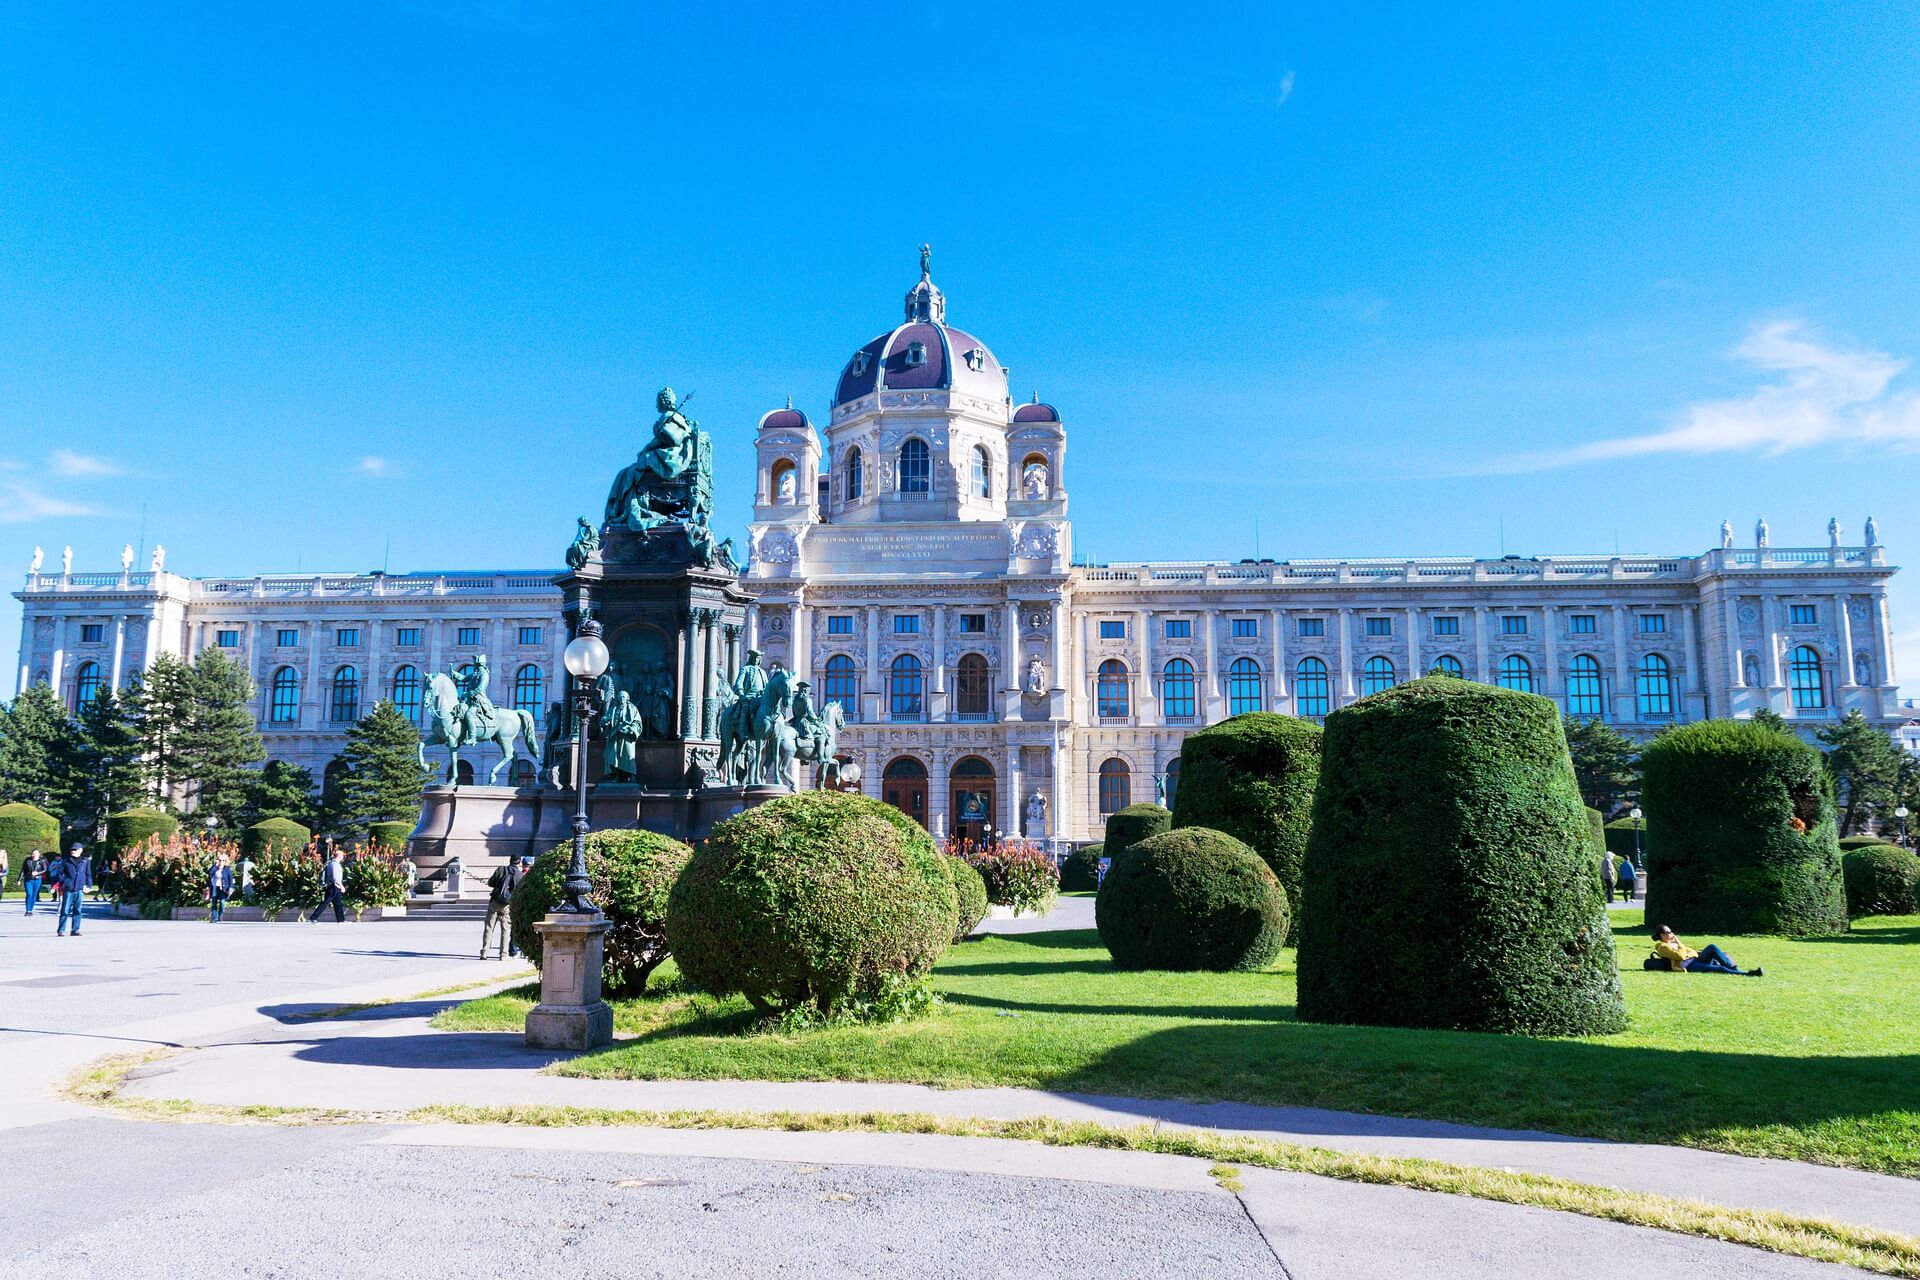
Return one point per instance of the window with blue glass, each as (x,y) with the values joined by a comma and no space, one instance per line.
(1176,689)
(854,479)
(1446,626)
(530,635)
(1112,630)
(1585,696)
(916,467)
(407,692)
(227,639)
(1513,624)
(837,684)
(1379,626)
(1516,673)
(1448,665)
(906,624)
(1806,679)
(973,624)
(1580,624)
(1311,627)
(346,695)
(1110,690)
(468,636)
(1245,628)
(839,624)
(283,705)
(87,683)
(1655,688)
(1310,687)
(530,691)
(1377,675)
(1803,615)
(407,637)
(1652,624)
(973,688)
(1179,628)
(1246,691)
(287,639)
(92,632)
(347,637)
(906,688)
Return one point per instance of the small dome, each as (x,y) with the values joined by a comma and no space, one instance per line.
(1036,412)
(788,417)
(923,354)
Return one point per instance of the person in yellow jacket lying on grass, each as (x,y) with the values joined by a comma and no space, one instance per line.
(1682,958)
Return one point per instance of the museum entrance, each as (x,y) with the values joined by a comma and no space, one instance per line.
(971,803)
(904,786)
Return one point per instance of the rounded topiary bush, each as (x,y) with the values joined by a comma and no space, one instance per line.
(1880,880)
(1129,826)
(1620,837)
(134,827)
(970,897)
(1740,832)
(1253,777)
(821,898)
(1449,880)
(24,828)
(632,873)
(1191,899)
(1080,870)
(1861,842)
(392,836)
(275,835)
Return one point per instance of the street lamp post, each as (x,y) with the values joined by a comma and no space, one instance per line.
(586,658)
(1901,813)
(1638,825)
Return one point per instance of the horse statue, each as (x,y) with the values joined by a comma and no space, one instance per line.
(757,740)
(447,727)
(824,739)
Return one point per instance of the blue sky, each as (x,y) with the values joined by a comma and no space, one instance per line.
(306,283)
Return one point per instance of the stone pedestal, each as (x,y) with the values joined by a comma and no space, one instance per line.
(571,1014)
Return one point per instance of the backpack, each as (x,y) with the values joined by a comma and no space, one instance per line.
(501,882)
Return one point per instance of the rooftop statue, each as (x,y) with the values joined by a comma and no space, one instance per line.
(671,479)
(585,542)
(1873,533)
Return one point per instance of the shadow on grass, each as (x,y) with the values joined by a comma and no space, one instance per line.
(1023,968)
(1188,1012)
(1052,939)
(1908,936)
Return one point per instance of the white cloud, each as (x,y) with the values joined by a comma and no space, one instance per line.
(65,462)
(21,504)
(372,465)
(1821,394)
(1286,90)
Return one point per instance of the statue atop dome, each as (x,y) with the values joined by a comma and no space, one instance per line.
(925,302)
(670,479)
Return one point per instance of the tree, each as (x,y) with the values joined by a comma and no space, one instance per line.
(1606,763)
(1864,763)
(382,777)
(107,769)
(161,699)
(37,741)
(219,742)
(282,790)
(1772,719)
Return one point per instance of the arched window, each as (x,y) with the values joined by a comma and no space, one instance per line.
(1806,679)
(530,691)
(1377,675)
(1584,694)
(86,685)
(854,487)
(837,685)
(982,471)
(520,772)
(1245,687)
(783,474)
(1310,687)
(346,696)
(1656,686)
(905,686)
(1448,665)
(916,466)
(283,705)
(973,691)
(1176,689)
(1116,786)
(1173,780)
(1516,673)
(1110,690)
(407,692)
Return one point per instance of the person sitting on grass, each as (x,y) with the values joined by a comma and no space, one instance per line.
(1682,958)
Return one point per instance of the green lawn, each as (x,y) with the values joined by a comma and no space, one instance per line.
(1819,1060)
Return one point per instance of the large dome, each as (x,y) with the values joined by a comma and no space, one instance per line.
(923,354)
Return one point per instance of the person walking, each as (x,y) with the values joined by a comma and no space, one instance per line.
(1628,877)
(219,889)
(6,868)
(74,875)
(32,872)
(333,888)
(501,885)
(1606,877)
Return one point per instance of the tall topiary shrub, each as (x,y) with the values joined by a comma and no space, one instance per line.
(1080,870)
(823,899)
(1880,880)
(134,827)
(1449,880)
(1253,777)
(1131,825)
(632,874)
(24,828)
(281,836)
(970,897)
(1191,899)
(1740,832)
(391,836)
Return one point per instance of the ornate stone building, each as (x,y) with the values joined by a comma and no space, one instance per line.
(912,559)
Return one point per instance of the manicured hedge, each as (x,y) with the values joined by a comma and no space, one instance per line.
(275,835)
(1597,827)
(1133,824)
(1449,878)
(1080,870)
(1880,880)
(632,873)
(24,828)
(135,827)
(970,897)
(1620,837)
(1253,777)
(1191,899)
(1861,842)
(1740,832)
(390,835)
(822,898)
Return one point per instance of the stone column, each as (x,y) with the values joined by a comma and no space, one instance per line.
(1277,619)
(710,662)
(753,626)
(1413,643)
(1010,662)
(1848,675)
(314,696)
(1346,656)
(1057,612)
(1550,626)
(1082,692)
(733,652)
(1730,607)
(876,679)
(56,670)
(1688,683)
(1623,683)
(26,652)
(1480,643)
(377,681)
(689,660)
(937,707)
(1146,711)
(1883,635)
(1770,626)
(119,651)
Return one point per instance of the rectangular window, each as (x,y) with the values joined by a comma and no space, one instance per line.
(347,637)
(1446,626)
(1803,615)
(530,635)
(92,632)
(1246,628)
(1313,626)
(973,624)
(1379,626)
(1581,624)
(408,636)
(468,636)
(1513,624)
(1179,628)
(227,639)
(906,624)
(839,624)
(1652,624)
(1113,630)
(288,639)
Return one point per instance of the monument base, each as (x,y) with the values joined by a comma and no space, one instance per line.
(571,1014)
